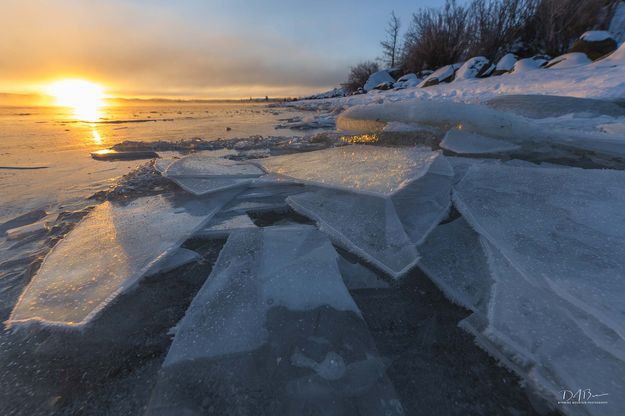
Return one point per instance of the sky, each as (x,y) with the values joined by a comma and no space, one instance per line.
(192,48)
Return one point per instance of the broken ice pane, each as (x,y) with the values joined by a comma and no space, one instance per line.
(463,142)
(107,253)
(538,330)
(204,186)
(453,258)
(561,228)
(359,168)
(274,318)
(203,166)
(366,225)
(377,202)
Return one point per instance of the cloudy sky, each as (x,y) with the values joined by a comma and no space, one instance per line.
(192,48)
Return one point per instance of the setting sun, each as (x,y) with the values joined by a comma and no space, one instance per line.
(84,97)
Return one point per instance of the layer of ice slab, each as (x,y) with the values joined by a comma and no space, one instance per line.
(453,258)
(389,212)
(107,253)
(463,142)
(274,331)
(177,258)
(543,106)
(203,186)
(223,225)
(563,229)
(203,166)
(480,120)
(540,332)
(365,225)
(358,168)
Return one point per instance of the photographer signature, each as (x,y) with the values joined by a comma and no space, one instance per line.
(581,395)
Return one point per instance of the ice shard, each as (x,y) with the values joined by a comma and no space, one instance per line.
(106,254)
(201,175)
(274,331)
(377,202)
(462,142)
(540,333)
(453,258)
(562,229)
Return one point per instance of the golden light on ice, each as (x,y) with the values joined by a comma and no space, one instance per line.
(84,97)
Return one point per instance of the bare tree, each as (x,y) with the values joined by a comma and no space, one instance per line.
(391,45)
(359,74)
(436,37)
(557,23)
(495,25)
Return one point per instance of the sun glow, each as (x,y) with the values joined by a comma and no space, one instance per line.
(84,97)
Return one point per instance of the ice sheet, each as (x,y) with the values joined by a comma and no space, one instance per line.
(177,258)
(365,225)
(480,120)
(359,168)
(203,166)
(462,142)
(274,318)
(537,330)
(203,186)
(107,253)
(558,227)
(223,224)
(398,196)
(294,267)
(453,258)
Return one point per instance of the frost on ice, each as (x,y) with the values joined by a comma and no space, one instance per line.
(275,318)
(201,175)
(377,202)
(107,253)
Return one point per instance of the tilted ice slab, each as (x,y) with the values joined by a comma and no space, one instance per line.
(274,318)
(563,229)
(540,333)
(201,175)
(477,119)
(203,166)
(106,254)
(543,106)
(454,259)
(463,142)
(373,170)
(376,202)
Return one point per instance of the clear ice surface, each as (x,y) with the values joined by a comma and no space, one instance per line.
(562,229)
(275,318)
(462,142)
(107,253)
(453,258)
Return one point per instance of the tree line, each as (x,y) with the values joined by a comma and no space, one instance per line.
(489,28)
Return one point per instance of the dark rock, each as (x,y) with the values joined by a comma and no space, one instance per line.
(595,49)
